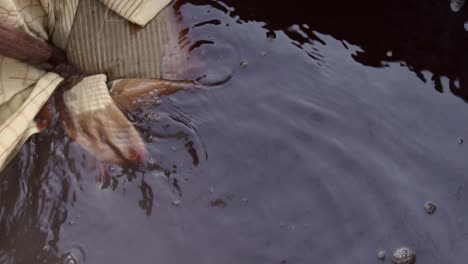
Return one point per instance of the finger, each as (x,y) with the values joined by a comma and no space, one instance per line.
(132,93)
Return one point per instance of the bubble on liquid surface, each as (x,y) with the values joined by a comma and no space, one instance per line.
(456,83)
(456,5)
(430,208)
(70,259)
(244,63)
(381,254)
(74,255)
(404,255)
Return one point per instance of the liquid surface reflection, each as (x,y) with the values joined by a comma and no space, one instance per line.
(327,140)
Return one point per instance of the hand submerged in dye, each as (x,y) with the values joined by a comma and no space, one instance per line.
(94,118)
(96,123)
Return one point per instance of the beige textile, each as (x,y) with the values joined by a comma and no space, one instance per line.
(114,46)
(119,49)
(24,89)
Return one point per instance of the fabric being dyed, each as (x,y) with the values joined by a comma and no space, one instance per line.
(120,39)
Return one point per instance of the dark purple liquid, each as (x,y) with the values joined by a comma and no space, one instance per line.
(338,122)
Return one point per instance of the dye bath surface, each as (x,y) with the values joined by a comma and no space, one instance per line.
(338,125)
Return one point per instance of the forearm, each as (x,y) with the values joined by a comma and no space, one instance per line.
(26,48)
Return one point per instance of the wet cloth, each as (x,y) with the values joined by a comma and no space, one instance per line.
(24,89)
